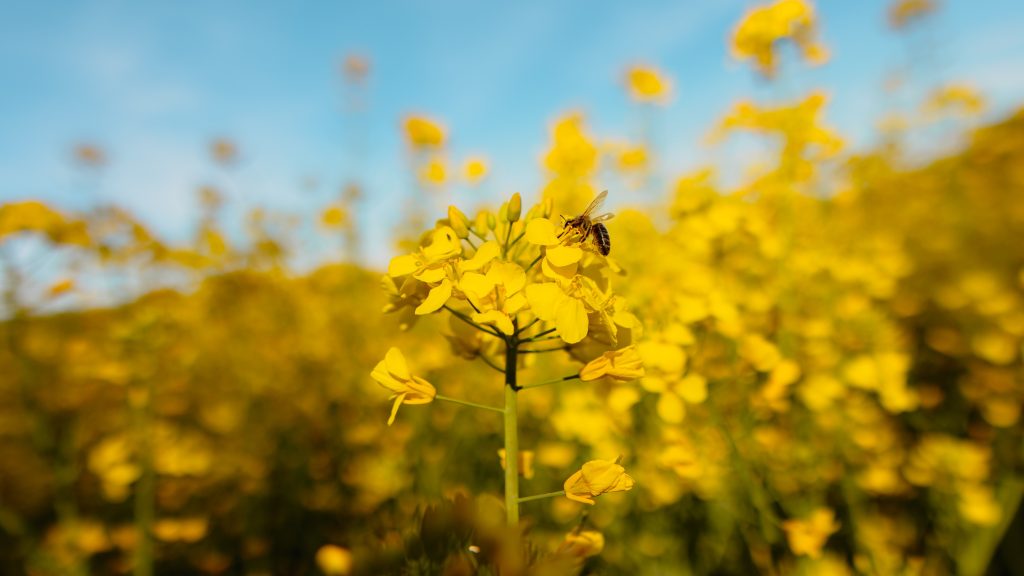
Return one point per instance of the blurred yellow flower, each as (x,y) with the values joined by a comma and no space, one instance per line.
(434,173)
(60,287)
(902,13)
(807,536)
(422,132)
(623,364)
(645,84)
(333,216)
(334,560)
(595,478)
(763,27)
(393,373)
(475,170)
(633,158)
(583,543)
(526,458)
(223,151)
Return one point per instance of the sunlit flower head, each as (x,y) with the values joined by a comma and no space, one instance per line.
(595,478)
(393,373)
(624,364)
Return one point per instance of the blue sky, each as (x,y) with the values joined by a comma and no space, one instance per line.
(154,82)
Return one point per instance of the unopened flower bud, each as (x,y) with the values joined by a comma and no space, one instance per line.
(515,207)
(458,221)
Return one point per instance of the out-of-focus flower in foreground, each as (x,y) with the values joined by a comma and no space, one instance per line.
(393,373)
(334,560)
(624,364)
(595,478)
(807,536)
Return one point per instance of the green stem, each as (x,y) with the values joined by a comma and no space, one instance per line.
(511,436)
(549,382)
(527,327)
(467,320)
(470,241)
(542,496)
(536,337)
(467,403)
(145,489)
(535,260)
(508,235)
(517,238)
(491,363)
(542,351)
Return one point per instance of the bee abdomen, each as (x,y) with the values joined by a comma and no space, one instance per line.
(603,240)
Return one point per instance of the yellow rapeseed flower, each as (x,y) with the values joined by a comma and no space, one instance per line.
(624,364)
(334,560)
(526,458)
(646,84)
(595,478)
(422,132)
(807,536)
(583,544)
(393,373)
(475,170)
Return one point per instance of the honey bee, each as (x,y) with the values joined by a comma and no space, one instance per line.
(589,228)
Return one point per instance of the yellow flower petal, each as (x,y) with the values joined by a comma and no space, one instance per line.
(541,231)
(496,318)
(403,265)
(431,275)
(571,321)
(562,256)
(395,407)
(395,362)
(485,253)
(545,299)
(437,298)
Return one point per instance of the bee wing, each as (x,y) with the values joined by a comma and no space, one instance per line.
(602,218)
(596,203)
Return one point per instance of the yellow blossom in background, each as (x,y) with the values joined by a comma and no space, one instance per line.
(422,132)
(807,536)
(333,217)
(526,458)
(624,364)
(903,13)
(474,170)
(223,151)
(393,373)
(334,560)
(761,30)
(61,287)
(90,155)
(434,173)
(595,478)
(356,67)
(645,84)
(583,544)
(633,158)
(955,99)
